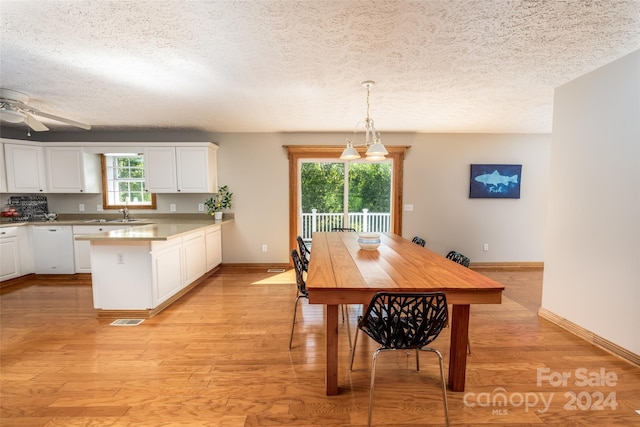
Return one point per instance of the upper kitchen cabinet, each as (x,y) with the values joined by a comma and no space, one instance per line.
(181,169)
(197,169)
(3,171)
(71,170)
(25,168)
(160,169)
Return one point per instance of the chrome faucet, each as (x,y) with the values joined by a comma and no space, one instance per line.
(125,212)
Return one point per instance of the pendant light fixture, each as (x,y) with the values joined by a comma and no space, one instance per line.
(375,150)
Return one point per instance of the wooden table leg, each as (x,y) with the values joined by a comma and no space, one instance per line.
(331,337)
(458,349)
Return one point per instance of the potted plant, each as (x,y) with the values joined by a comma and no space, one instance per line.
(219,202)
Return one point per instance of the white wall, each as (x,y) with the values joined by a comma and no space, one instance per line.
(436,182)
(592,265)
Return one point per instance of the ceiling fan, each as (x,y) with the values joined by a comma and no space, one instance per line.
(14,109)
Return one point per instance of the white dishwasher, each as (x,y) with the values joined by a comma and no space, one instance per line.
(53,249)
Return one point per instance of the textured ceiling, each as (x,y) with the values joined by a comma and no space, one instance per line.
(263,66)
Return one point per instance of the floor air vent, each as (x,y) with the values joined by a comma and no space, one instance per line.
(126,322)
(276,270)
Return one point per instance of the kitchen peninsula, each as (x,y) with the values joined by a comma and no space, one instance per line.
(139,271)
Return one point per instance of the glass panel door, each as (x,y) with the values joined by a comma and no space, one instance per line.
(326,184)
(369,195)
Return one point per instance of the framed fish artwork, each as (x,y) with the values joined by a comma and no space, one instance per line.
(495,181)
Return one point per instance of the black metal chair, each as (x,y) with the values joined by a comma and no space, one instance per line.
(343,229)
(300,268)
(305,253)
(459,258)
(404,321)
(419,241)
(464,261)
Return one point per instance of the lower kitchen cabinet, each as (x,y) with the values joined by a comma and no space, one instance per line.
(213,245)
(141,275)
(194,256)
(166,264)
(16,257)
(9,253)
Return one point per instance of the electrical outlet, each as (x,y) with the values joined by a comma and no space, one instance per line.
(81,207)
(172,207)
(485,247)
(120,258)
(200,207)
(264,247)
(99,208)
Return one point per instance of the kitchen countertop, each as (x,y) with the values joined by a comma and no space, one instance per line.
(150,232)
(157,229)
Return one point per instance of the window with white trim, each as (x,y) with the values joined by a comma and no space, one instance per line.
(123,182)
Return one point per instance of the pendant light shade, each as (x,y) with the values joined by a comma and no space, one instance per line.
(349,152)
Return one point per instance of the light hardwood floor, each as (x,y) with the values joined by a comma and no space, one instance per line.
(219,357)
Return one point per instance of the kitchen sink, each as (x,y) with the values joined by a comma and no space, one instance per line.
(96,220)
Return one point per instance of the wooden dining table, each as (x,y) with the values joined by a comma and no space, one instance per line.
(340,272)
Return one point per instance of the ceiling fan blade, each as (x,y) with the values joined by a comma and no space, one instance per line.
(60,119)
(34,123)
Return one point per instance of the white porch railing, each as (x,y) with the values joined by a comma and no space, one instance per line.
(364,221)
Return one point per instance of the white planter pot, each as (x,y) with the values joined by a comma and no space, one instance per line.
(217,215)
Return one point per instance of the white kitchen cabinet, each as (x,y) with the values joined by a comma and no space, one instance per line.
(16,257)
(26,171)
(3,171)
(26,251)
(9,253)
(213,246)
(82,248)
(167,269)
(160,169)
(181,169)
(132,274)
(71,170)
(197,169)
(194,258)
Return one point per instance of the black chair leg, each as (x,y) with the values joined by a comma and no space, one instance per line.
(293,324)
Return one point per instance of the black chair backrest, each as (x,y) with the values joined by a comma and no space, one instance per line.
(459,258)
(419,241)
(305,253)
(403,320)
(343,229)
(298,266)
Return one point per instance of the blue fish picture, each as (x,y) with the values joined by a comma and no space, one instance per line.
(495,181)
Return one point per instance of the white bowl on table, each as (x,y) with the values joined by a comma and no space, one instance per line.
(369,241)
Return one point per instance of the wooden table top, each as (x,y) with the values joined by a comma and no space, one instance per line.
(342,273)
